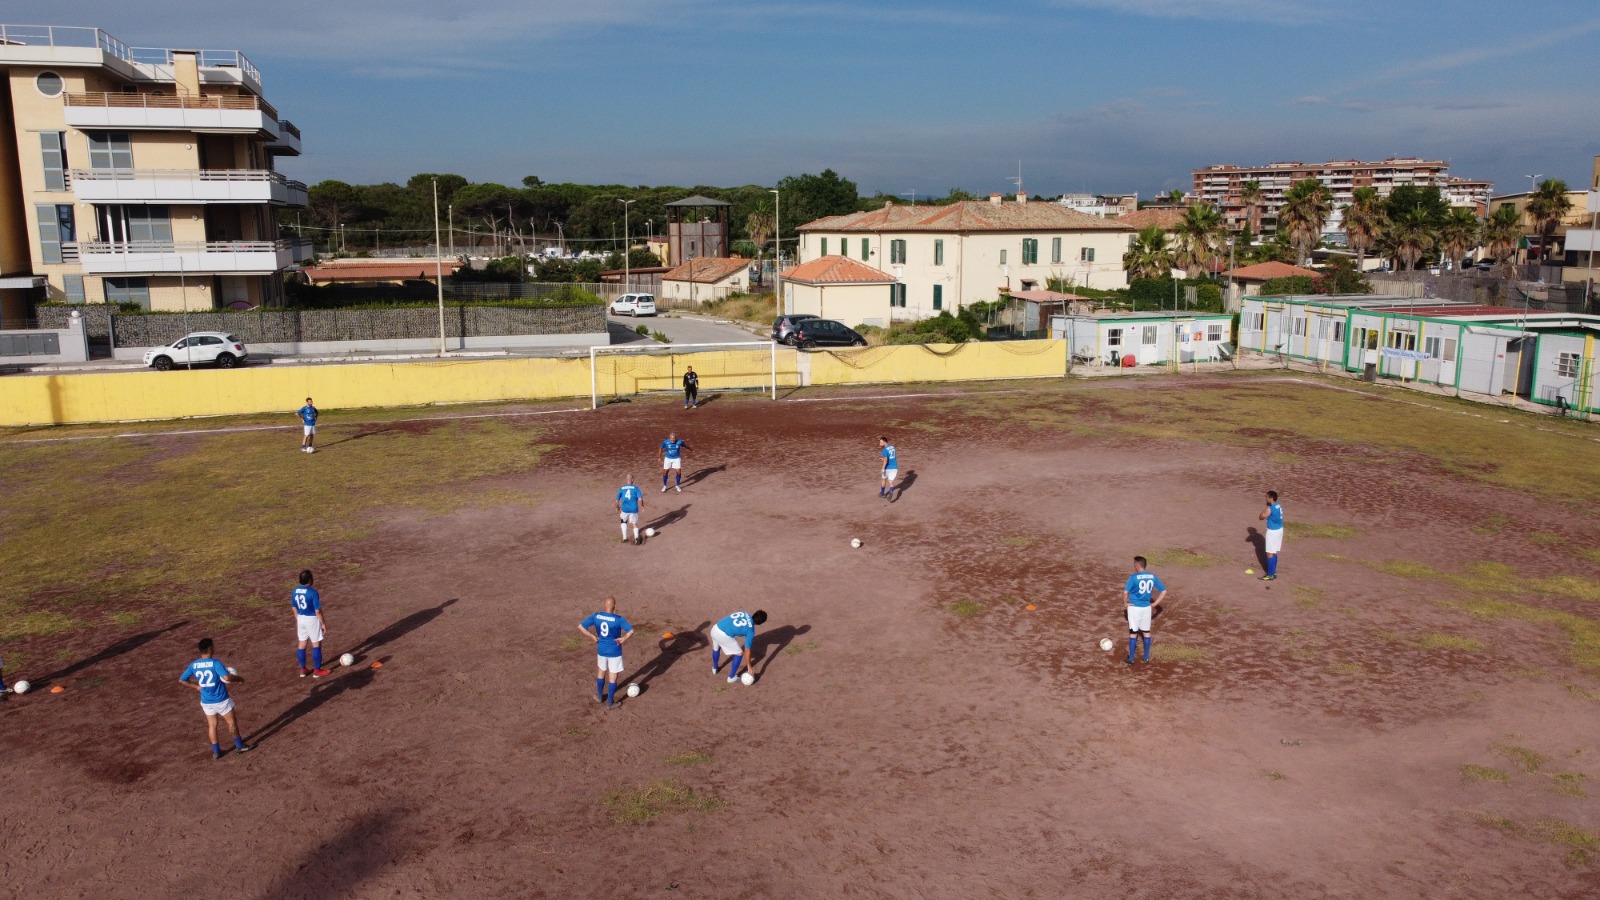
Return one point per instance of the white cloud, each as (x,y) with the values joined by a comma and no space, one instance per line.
(1471,56)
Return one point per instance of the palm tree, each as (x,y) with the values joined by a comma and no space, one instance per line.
(1546,207)
(1174,196)
(1502,232)
(1199,236)
(759,225)
(1305,210)
(1412,237)
(1460,232)
(1250,197)
(1364,220)
(1148,257)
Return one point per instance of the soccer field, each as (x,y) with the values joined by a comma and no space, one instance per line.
(1411,709)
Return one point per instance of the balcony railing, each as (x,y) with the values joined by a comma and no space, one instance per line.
(230,175)
(288,127)
(112,100)
(82,37)
(208,59)
(130,247)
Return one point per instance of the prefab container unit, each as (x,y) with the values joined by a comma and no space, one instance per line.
(1565,370)
(1152,338)
(1479,356)
(1305,328)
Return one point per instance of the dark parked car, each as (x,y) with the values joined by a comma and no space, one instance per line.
(783,327)
(826,333)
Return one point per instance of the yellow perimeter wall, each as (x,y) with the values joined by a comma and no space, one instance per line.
(128,396)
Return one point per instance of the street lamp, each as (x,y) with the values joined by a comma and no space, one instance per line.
(777,251)
(438,265)
(1533,186)
(627,272)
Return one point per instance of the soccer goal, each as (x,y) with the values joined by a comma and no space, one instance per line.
(625,370)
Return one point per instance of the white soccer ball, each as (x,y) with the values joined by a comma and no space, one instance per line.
(747,679)
(1106,645)
(232,671)
(633,690)
(649,532)
(856,543)
(21,687)
(349,659)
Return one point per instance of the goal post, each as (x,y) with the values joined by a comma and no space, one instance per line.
(629,369)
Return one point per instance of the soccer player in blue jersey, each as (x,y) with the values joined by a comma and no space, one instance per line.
(1273,516)
(1142,591)
(211,678)
(630,500)
(891,468)
(609,632)
(672,459)
(309,626)
(308,418)
(726,636)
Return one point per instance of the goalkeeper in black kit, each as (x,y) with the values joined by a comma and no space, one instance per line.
(691,389)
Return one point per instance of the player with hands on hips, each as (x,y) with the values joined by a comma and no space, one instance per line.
(889,470)
(609,632)
(1142,592)
(672,459)
(1273,516)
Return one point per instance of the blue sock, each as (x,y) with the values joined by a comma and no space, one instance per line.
(1272,565)
(611,692)
(680,477)
(1133,646)
(216,748)
(1147,648)
(716,659)
(238,741)
(733,665)
(302,655)
(316,657)
(663,479)
(600,687)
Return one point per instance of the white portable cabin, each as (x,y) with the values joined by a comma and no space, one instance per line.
(1565,370)
(1305,328)
(1152,338)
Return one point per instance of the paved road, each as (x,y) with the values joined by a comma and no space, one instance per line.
(681,329)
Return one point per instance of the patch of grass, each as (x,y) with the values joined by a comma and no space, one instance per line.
(965,609)
(689,758)
(642,330)
(1592,554)
(1544,538)
(1348,668)
(126,619)
(1583,634)
(1182,556)
(661,337)
(1307,597)
(1471,772)
(1569,784)
(1583,693)
(575,642)
(1436,641)
(40,623)
(1570,586)
(1521,757)
(1312,530)
(657,799)
(1494,524)
(1273,775)
(1581,844)
(1405,568)
(1172,651)
(1021,542)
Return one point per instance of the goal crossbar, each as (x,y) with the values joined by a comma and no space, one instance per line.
(595,352)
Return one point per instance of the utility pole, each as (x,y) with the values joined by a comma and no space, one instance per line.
(438,266)
(777,251)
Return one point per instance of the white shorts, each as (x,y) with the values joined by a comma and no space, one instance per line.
(1138,618)
(672,463)
(311,429)
(724,643)
(612,664)
(890,475)
(1274,540)
(630,518)
(218,709)
(309,628)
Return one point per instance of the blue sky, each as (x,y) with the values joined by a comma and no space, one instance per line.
(1091,95)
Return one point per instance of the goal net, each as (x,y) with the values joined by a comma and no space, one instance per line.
(626,370)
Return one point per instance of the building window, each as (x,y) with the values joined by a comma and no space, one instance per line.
(1113,337)
(74,286)
(49,84)
(1149,336)
(57,227)
(1030,251)
(110,151)
(1002,257)
(897,253)
(145,224)
(128,290)
(1567,365)
(938,252)
(824,246)
(53,148)
(1055,250)
(866,250)
(1338,333)
(1449,349)
(1297,327)
(1086,254)
(1433,347)
(938,297)
(1257,321)
(897,295)
(1214,332)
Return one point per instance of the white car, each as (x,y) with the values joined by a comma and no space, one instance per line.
(634,305)
(199,348)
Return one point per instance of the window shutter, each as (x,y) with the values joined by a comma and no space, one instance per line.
(938,296)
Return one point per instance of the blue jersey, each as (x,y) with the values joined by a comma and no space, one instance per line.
(608,627)
(890,460)
(737,625)
(308,414)
(671,449)
(1142,588)
(207,673)
(306,601)
(628,495)
(1274,517)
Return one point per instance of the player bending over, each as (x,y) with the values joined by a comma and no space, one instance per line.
(890,470)
(629,501)
(1142,591)
(211,678)
(609,632)
(726,637)
(310,627)
(672,459)
(1273,516)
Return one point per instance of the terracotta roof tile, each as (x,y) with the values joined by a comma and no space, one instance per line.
(1166,218)
(707,269)
(967,216)
(837,270)
(422,270)
(1263,271)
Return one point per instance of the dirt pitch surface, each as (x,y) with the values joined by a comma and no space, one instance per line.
(932,715)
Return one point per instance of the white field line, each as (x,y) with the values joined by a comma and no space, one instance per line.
(241,428)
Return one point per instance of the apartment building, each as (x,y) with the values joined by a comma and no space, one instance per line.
(138,175)
(945,257)
(1221,187)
